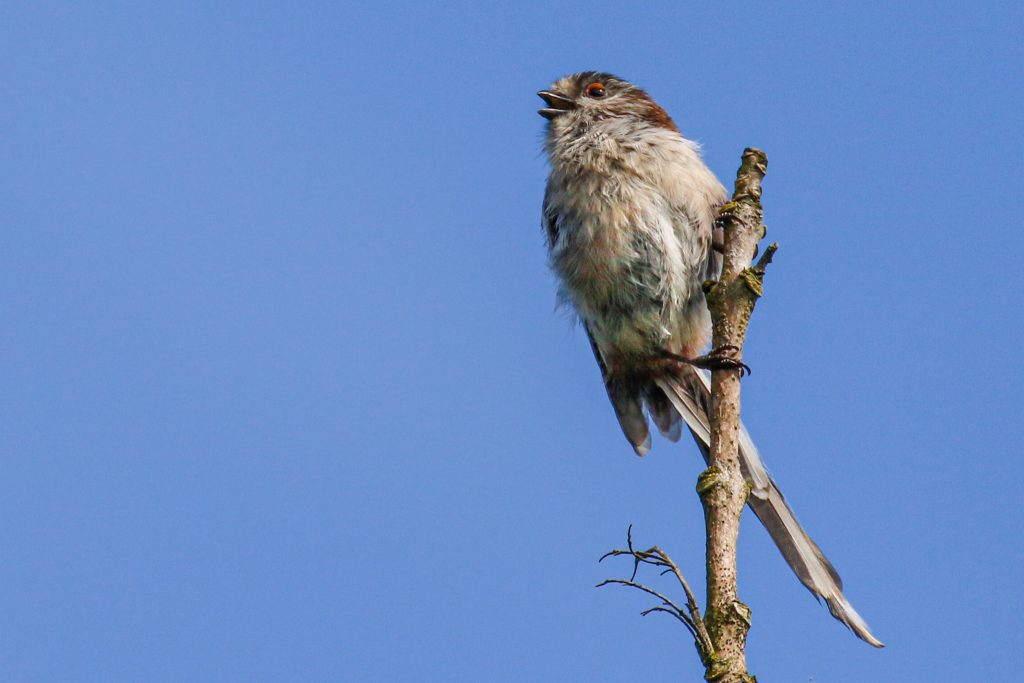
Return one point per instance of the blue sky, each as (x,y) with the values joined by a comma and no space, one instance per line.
(285,396)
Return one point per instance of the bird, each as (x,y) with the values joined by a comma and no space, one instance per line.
(629,217)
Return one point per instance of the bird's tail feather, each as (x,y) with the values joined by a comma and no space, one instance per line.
(630,413)
(689,393)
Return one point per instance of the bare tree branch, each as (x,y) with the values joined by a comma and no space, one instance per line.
(722,489)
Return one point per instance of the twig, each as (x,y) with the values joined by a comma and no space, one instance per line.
(690,617)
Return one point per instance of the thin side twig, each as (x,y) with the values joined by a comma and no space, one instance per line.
(690,616)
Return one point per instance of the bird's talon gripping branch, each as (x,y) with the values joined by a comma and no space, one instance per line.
(718,359)
(715,361)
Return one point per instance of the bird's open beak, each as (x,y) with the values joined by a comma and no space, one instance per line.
(557,104)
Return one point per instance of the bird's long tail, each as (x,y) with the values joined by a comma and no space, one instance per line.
(689,395)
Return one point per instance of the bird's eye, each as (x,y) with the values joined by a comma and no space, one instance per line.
(596,90)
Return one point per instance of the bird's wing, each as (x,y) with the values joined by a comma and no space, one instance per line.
(626,403)
(549,218)
(690,394)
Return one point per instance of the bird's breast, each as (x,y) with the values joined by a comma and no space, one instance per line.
(632,241)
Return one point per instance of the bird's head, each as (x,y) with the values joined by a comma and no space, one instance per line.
(583,99)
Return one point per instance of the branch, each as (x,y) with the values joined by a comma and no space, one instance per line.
(690,618)
(722,489)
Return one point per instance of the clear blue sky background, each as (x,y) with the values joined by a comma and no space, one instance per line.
(285,397)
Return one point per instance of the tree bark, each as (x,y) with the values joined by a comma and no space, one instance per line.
(722,489)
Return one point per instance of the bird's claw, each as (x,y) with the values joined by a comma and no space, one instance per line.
(718,359)
(722,359)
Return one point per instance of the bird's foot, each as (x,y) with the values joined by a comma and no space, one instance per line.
(721,358)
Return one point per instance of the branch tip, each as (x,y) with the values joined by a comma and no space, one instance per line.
(766,257)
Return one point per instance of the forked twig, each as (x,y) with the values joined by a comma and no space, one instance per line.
(690,617)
